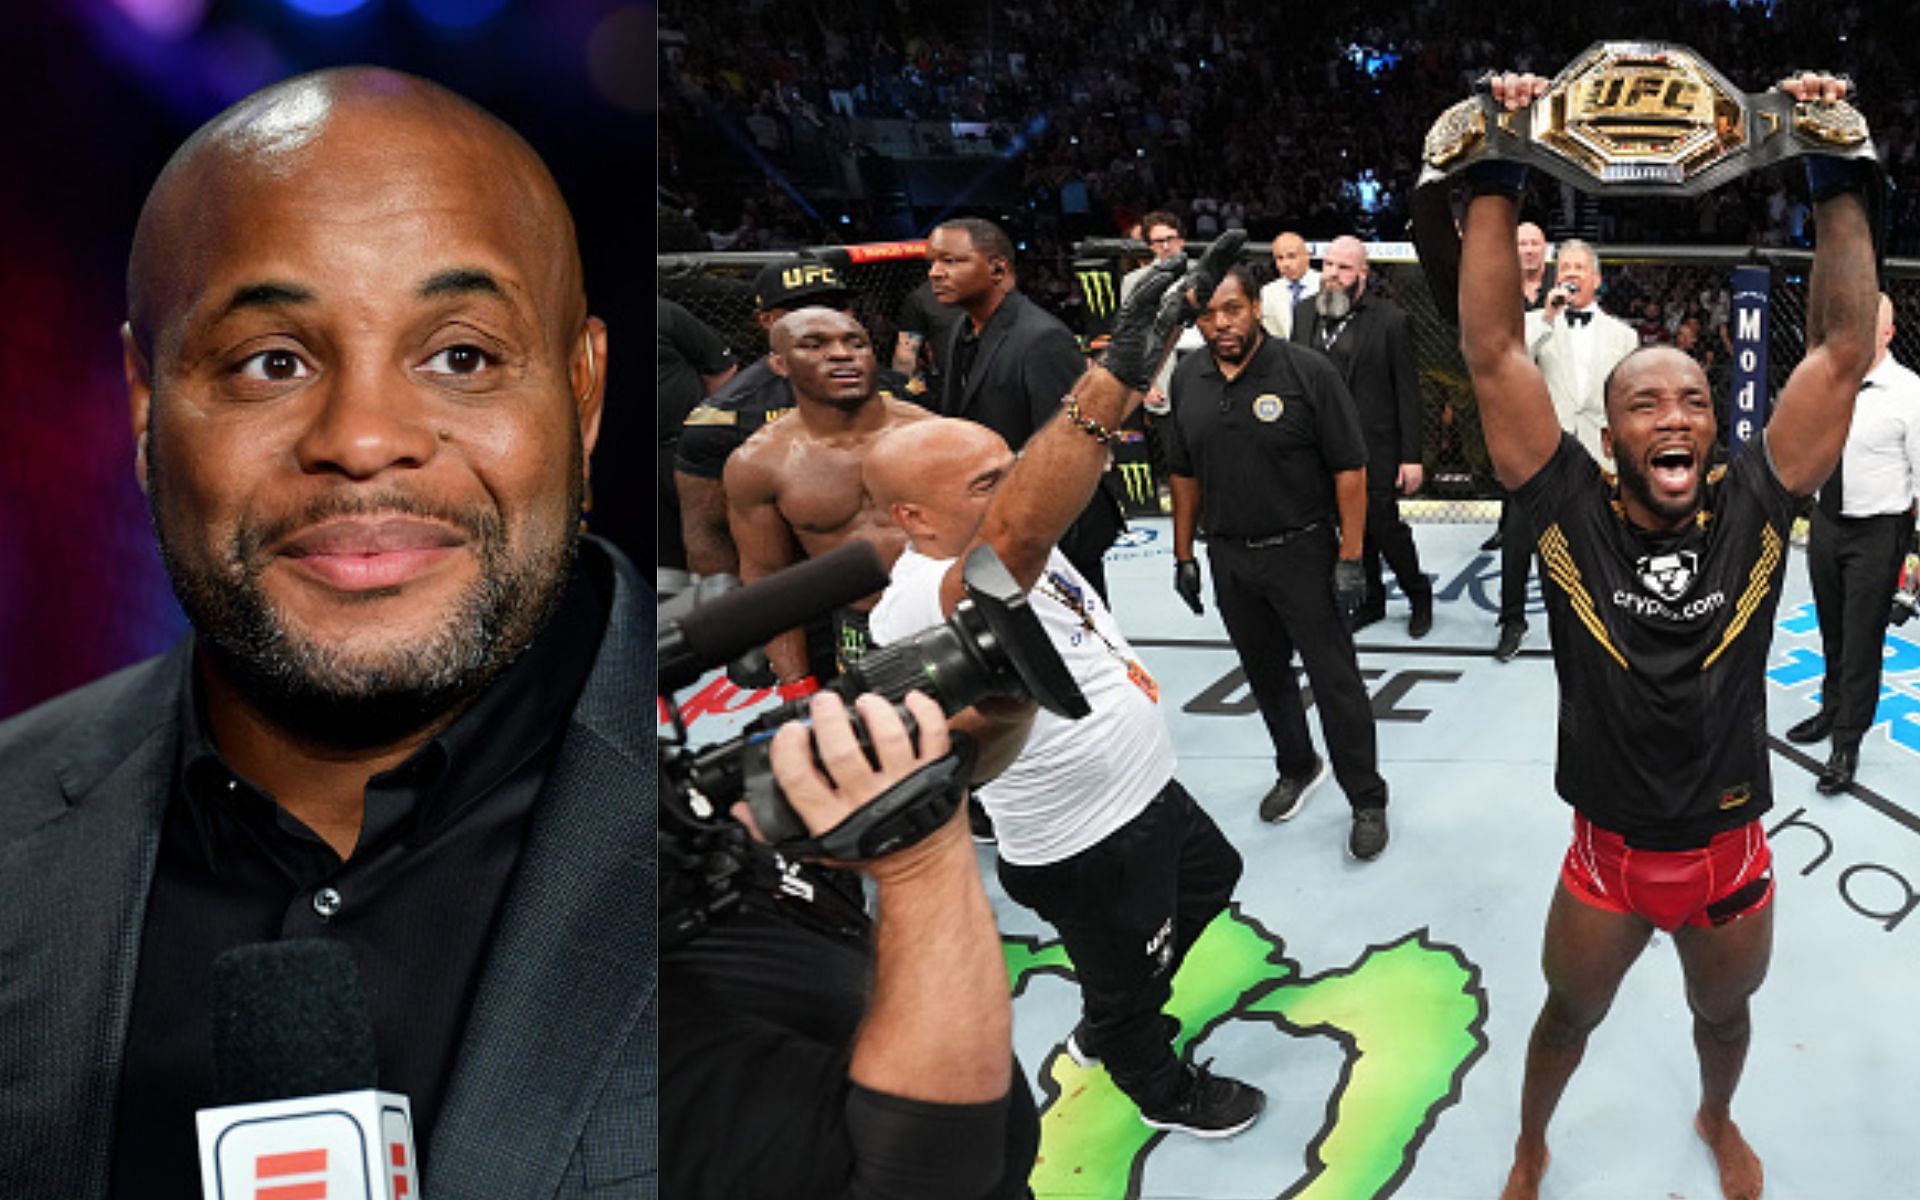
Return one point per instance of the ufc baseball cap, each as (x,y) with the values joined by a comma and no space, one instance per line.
(797,283)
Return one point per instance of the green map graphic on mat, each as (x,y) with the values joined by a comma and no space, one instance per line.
(1410,1017)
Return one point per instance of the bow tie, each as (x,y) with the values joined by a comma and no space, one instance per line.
(1577,316)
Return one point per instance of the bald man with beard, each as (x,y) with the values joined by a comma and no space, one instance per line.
(793,488)
(1369,340)
(364,384)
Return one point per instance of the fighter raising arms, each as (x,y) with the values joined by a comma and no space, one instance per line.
(1660,598)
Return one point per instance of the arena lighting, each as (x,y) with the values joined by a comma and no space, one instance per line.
(456,14)
(168,20)
(325,8)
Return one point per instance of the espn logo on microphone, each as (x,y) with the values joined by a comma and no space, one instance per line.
(349,1146)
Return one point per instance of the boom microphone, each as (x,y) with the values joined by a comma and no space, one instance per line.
(294,1062)
(740,620)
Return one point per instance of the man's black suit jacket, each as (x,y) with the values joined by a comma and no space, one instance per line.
(1027,362)
(1028,359)
(1374,352)
(554,1094)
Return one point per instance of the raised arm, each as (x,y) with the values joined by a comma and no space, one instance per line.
(1809,426)
(1052,481)
(1516,411)
(1062,463)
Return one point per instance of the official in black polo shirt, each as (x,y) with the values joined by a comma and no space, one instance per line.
(1264,448)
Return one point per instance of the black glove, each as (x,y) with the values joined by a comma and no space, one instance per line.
(1133,348)
(1186,581)
(1349,587)
(1183,304)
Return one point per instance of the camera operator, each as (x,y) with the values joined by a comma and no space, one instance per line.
(1095,833)
(800,1061)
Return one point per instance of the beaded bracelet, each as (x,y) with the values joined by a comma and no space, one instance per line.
(1094,429)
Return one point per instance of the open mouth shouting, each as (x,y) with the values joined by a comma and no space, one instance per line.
(1673,470)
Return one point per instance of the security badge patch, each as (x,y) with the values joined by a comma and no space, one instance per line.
(1268,407)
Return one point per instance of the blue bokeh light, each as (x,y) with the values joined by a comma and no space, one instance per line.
(325,8)
(457,14)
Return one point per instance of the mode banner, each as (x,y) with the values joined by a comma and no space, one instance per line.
(1752,320)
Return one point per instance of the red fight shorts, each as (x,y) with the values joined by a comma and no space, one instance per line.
(1723,881)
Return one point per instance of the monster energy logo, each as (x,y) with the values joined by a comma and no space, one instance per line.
(853,643)
(1138,479)
(1096,283)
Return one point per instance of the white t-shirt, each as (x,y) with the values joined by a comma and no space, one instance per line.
(1075,782)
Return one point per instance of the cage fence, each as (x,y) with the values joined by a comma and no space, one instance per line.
(1678,295)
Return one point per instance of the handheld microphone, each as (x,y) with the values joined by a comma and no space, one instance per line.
(294,1062)
(725,628)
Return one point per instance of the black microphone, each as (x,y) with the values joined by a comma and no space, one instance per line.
(737,622)
(296,1071)
(290,1019)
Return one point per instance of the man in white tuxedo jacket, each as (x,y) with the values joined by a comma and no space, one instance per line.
(1298,281)
(1576,345)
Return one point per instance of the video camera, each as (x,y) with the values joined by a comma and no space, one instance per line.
(991,646)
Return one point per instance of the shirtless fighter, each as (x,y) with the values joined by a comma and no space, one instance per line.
(1660,597)
(793,488)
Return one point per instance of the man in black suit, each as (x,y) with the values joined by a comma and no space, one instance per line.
(1009,363)
(413,715)
(1368,340)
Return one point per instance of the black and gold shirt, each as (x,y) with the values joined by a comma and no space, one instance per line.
(1660,643)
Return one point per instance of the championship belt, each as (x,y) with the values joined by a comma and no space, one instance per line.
(1625,119)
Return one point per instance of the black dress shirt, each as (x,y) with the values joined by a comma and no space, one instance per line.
(416,902)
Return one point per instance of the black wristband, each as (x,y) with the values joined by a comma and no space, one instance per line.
(1497,177)
(1828,176)
(929,1151)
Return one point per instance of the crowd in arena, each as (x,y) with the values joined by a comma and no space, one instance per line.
(1233,114)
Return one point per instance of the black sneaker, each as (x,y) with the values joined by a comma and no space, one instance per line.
(1512,633)
(1369,835)
(1282,802)
(1420,623)
(1209,1106)
(1076,1046)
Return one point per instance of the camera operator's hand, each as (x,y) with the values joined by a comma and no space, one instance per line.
(1186,581)
(853,779)
(939,1023)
